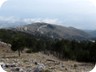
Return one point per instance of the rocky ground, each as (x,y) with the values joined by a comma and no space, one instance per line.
(38,61)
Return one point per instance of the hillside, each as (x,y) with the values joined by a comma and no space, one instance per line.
(54,31)
(26,62)
(56,55)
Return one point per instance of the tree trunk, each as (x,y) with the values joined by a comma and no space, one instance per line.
(19,53)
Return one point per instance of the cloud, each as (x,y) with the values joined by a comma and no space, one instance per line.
(11,19)
(74,21)
(46,20)
(93,2)
(22,21)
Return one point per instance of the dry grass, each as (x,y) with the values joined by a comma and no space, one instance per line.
(52,63)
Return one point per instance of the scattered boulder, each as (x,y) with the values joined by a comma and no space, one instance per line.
(39,68)
(17,69)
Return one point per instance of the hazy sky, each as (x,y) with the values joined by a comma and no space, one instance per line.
(76,13)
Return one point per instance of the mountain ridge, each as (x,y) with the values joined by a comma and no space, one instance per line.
(53,31)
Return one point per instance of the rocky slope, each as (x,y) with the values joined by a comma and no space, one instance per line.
(27,63)
(54,31)
(34,61)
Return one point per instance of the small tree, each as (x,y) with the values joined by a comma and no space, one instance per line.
(18,44)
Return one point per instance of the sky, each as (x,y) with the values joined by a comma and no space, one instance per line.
(76,13)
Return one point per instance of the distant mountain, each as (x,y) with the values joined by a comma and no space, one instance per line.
(53,31)
(91,32)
